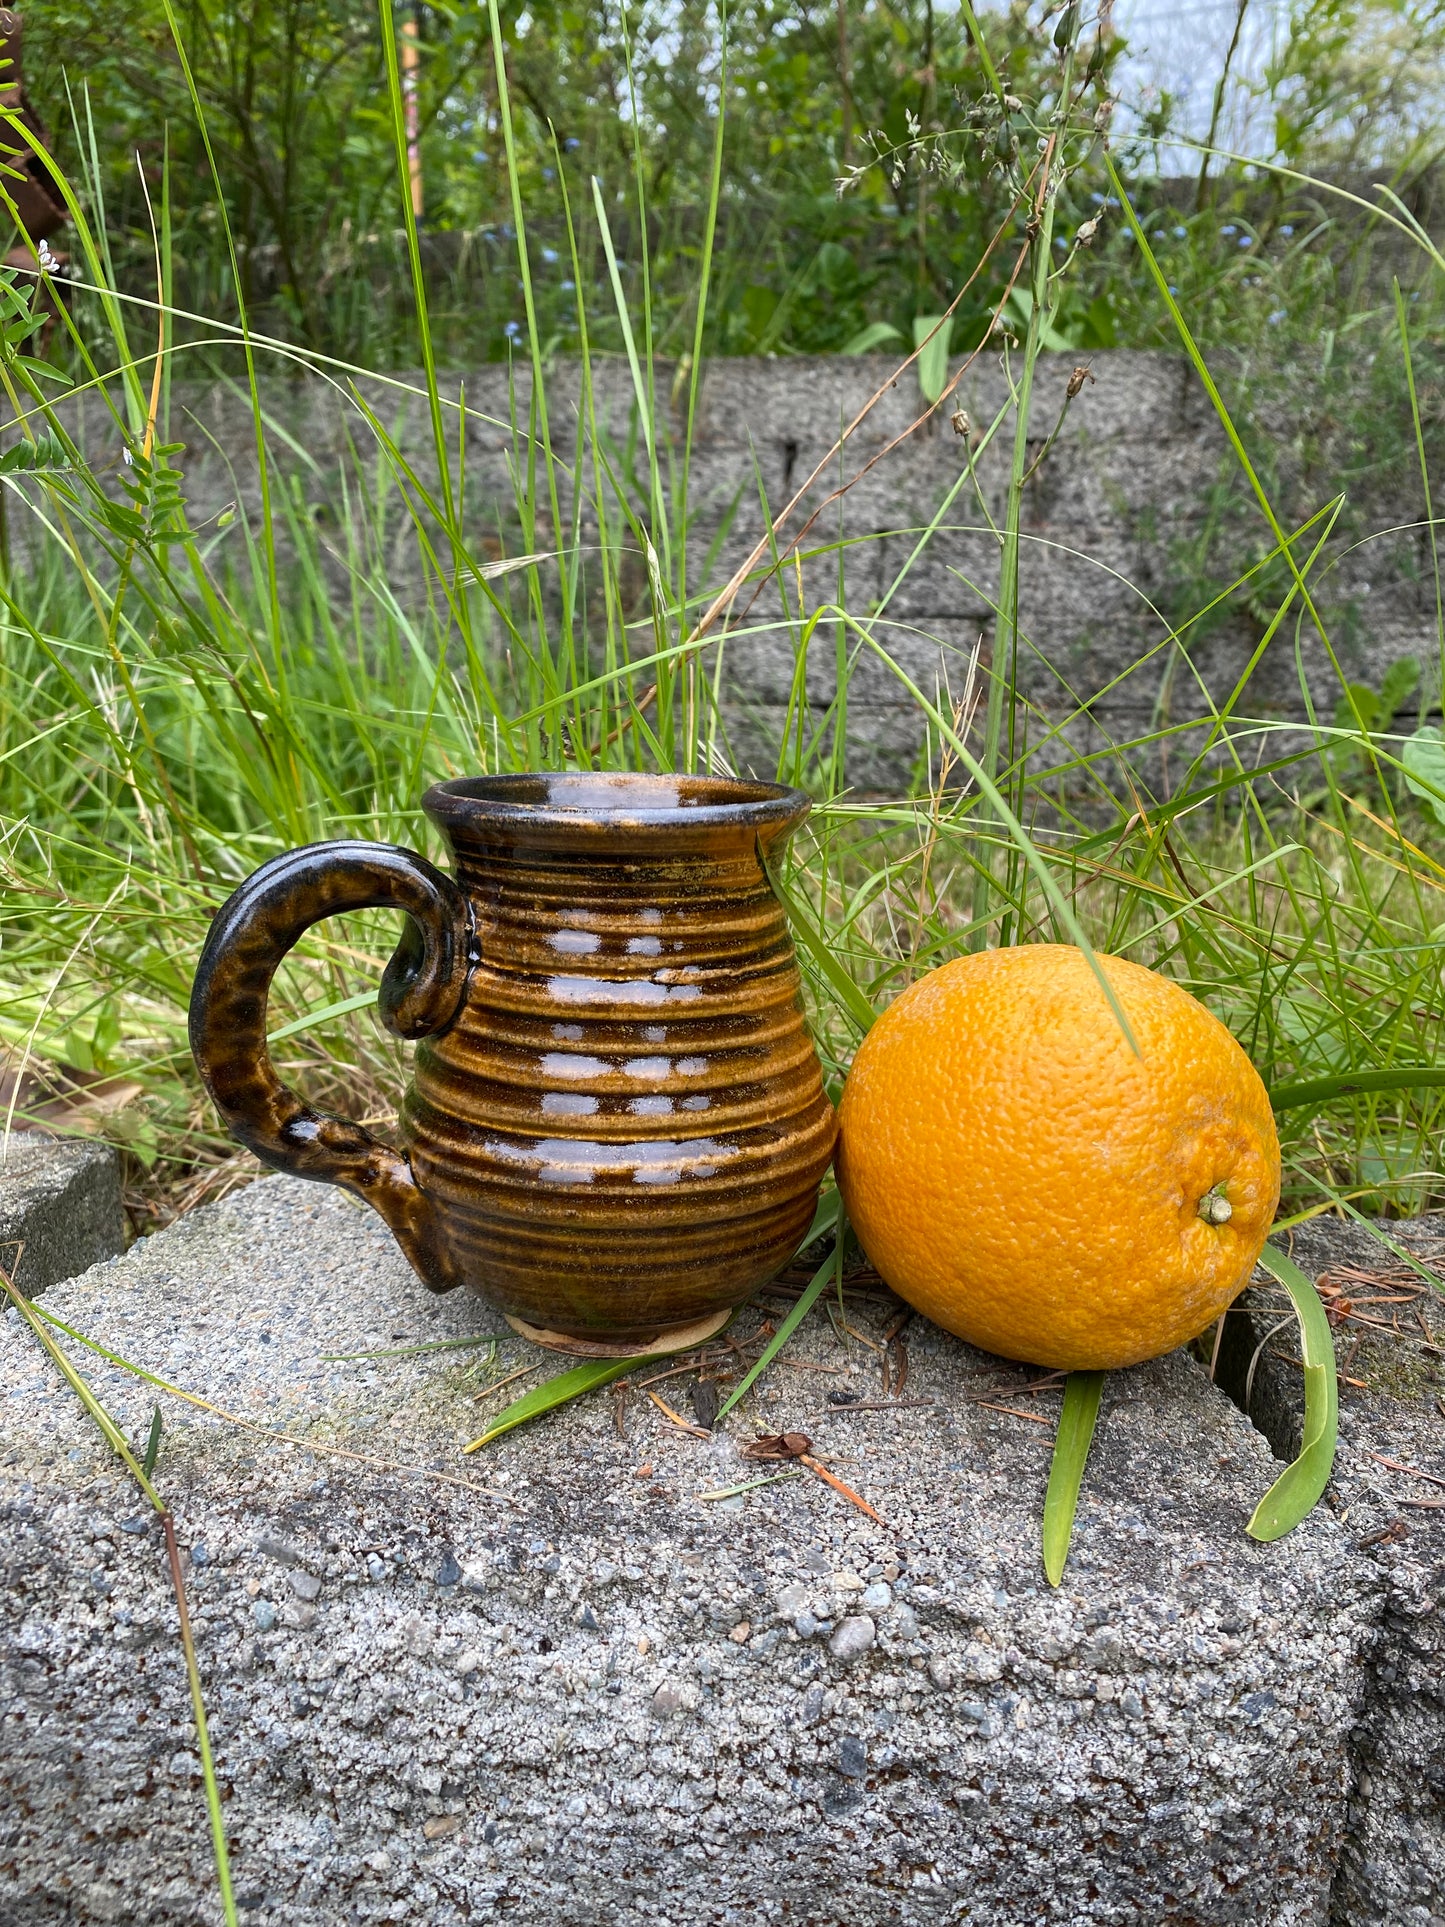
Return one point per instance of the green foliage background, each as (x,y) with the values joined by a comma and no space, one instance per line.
(295,103)
(178,701)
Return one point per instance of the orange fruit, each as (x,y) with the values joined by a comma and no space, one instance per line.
(1022,1177)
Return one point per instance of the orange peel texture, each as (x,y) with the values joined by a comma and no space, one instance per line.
(1021,1177)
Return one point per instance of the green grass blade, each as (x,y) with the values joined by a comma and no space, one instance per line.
(824,1219)
(975,32)
(1408,361)
(1201,368)
(560,1390)
(812,1292)
(749,1485)
(1082,1392)
(1296,1491)
(931,336)
(1320,1090)
(821,951)
(411,1351)
(116,1439)
(341,1008)
(1020,838)
(396,113)
(153,1444)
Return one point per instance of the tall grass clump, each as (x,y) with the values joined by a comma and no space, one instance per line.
(181,697)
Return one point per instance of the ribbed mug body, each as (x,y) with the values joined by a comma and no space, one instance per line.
(623,1129)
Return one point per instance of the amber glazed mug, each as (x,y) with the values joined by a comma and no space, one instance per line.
(617,1124)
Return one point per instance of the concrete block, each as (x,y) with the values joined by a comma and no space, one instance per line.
(1392,1416)
(60,1209)
(1138,466)
(555,1683)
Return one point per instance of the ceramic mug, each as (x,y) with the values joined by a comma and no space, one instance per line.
(617,1126)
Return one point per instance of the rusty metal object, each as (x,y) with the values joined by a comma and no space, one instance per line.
(617,1125)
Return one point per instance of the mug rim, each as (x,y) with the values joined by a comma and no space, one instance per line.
(722,801)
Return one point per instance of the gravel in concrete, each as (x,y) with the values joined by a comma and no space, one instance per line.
(553,1683)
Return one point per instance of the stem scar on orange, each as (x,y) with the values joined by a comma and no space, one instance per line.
(1022,1177)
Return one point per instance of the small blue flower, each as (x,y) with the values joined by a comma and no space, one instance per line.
(1287,230)
(1246,240)
(549,255)
(1231,229)
(1172,288)
(571,144)
(549,174)
(1181,233)
(1279,314)
(568,287)
(513,331)
(480,158)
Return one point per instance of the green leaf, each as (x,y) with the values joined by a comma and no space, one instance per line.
(411,1351)
(810,1296)
(1399,684)
(1019,310)
(44,371)
(45,453)
(1359,708)
(340,1008)
(878,334)
(1082,1392)
(153,1443)
(1099,329)
(560,1390)
(933,358)
(824,1219)
(821,951)
(1296,1491)
(1424,758)
(1320,1090)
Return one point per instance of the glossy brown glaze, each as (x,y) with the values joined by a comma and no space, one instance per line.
(617,1124)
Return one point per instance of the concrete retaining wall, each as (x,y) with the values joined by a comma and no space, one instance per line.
(1114,522)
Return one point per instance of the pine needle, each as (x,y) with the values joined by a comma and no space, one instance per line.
(829,1478)
(682,1424)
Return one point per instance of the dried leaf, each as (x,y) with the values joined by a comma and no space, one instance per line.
(779,1445)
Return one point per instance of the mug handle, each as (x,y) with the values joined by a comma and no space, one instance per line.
(421,992)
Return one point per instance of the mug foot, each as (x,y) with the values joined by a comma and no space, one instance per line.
(678,1338)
